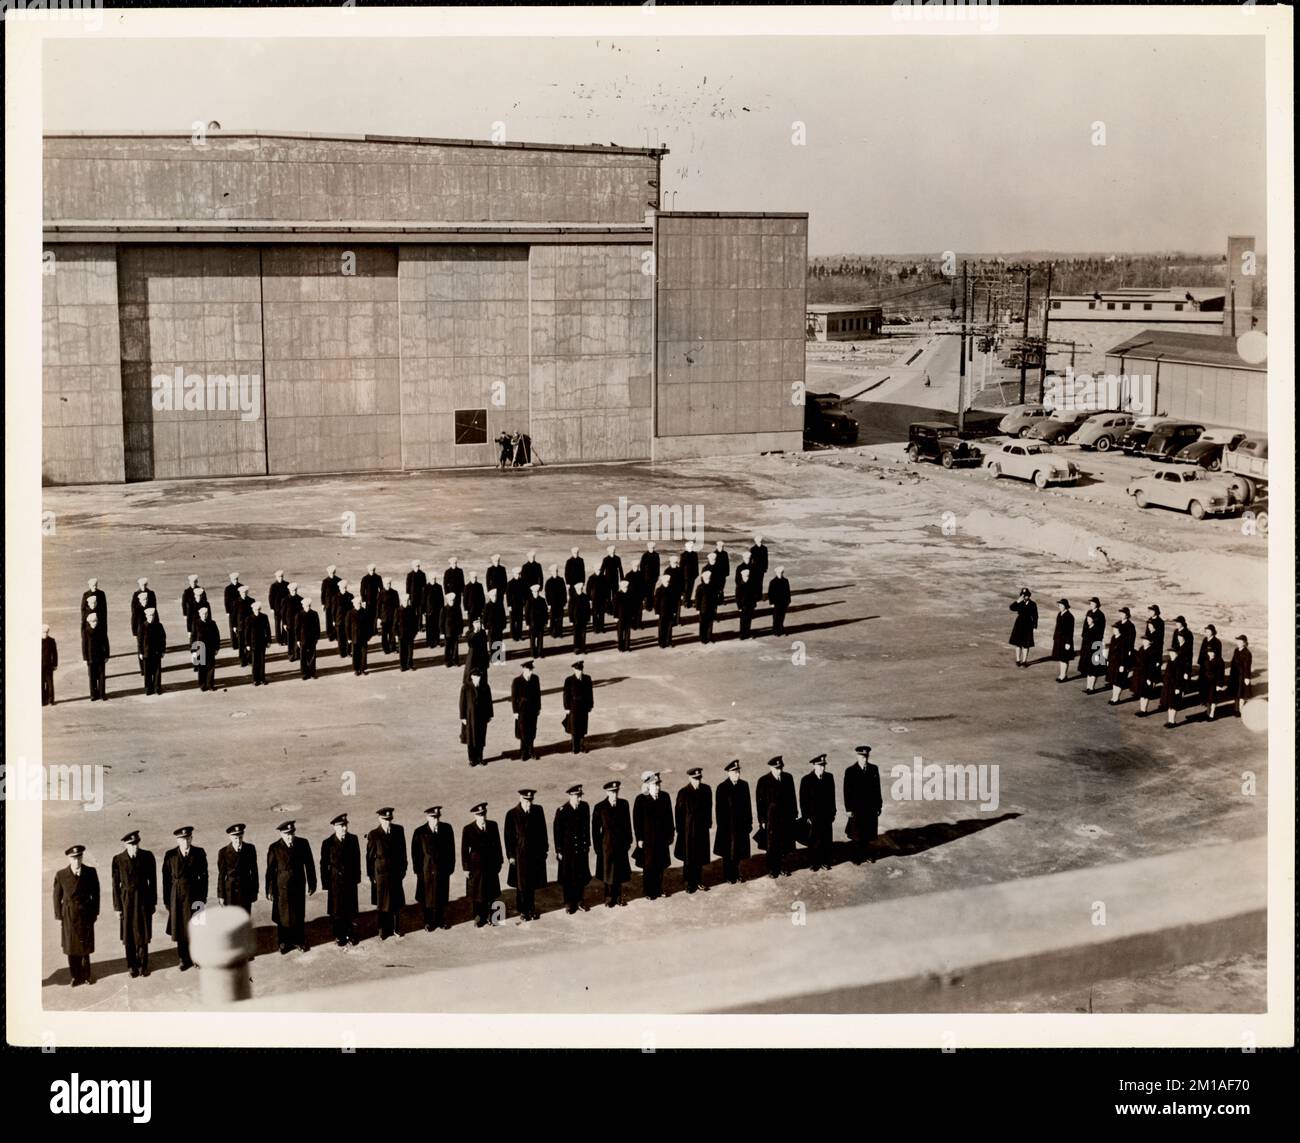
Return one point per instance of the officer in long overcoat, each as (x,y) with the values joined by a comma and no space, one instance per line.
(862,802)
(237,870)
(735,813)
(777,812)
(817,808)
(290,880)
(386,864)
(76,908)
(527,845)
(433,857)
(573,848)
(135,897)
(184,889)
(694,821)
(578,703)
(652,825)
(611,838)
(481,858)
(526,702)
(340,874)
(475,714)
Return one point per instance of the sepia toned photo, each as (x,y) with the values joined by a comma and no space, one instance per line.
(605,522)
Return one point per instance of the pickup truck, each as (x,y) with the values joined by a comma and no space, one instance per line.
(1247,469)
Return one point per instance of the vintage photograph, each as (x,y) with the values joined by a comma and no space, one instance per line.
(618,519)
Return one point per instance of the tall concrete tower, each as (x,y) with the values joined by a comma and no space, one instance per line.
(1240,284)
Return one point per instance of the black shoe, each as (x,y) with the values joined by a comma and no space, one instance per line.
(186,967)
(304,948)
(704,888)
(135,972)
(785,873)
(690,888)
(622,903)
(610,904)
(479,922)
(341,942)
(144,971)
(774,876)
(1112,702)
(352,941)
(284,949)
(429,928)
(570,909)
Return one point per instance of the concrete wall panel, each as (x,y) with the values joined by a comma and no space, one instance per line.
(81,373)
(332,358)
(196,310)
(730,324)
(590,377)
(299,180)
(464,334)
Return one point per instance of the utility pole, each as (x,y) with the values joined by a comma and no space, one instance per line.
(1024,339)
(970,341)
(961,359)
(1047,305)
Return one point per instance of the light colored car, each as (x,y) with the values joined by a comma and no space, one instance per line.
(1019,419)
(1030,461)
(1185,490)
(1102,431)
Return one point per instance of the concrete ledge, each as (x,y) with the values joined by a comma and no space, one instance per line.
(724,444)
(940,952)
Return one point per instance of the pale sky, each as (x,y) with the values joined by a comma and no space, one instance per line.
(978,145)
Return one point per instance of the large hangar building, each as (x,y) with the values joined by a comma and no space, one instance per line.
(248,303)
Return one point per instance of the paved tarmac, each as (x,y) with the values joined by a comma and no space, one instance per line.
(897,638)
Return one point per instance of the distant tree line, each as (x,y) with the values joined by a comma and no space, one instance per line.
(911,285)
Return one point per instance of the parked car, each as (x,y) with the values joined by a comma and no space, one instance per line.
(1031,461)
(1170,437)
(1019,419)
(1207,451)
(1102,431)
(1135,440)
(938,440)
(823,423)
(1057,427)
(1185,489)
